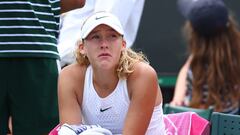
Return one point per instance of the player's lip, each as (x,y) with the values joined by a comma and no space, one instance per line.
(104,54)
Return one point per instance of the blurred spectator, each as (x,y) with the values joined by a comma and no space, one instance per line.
(211,75)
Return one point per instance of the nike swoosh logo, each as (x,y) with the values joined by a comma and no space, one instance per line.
(100,17)
(105,109)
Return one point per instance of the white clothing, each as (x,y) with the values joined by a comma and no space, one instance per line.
(67,129)
(129,13)
(110,112)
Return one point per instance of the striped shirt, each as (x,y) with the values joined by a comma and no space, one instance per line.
(29,28)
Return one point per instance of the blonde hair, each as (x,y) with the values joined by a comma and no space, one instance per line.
(126,62)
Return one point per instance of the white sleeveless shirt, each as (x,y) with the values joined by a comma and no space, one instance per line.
(110,112)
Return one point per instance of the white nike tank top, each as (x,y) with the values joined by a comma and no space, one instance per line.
(110,112)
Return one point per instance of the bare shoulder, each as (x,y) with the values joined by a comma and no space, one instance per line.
(143,76)
(143,83)
(73,71)
(142,69)
(72,76)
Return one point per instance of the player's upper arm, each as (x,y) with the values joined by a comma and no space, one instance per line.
(143,87)
(69,86)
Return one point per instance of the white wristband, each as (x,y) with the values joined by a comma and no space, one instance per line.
(66,129)
(81,129)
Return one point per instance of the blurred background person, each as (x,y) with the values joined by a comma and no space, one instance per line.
(211,75)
